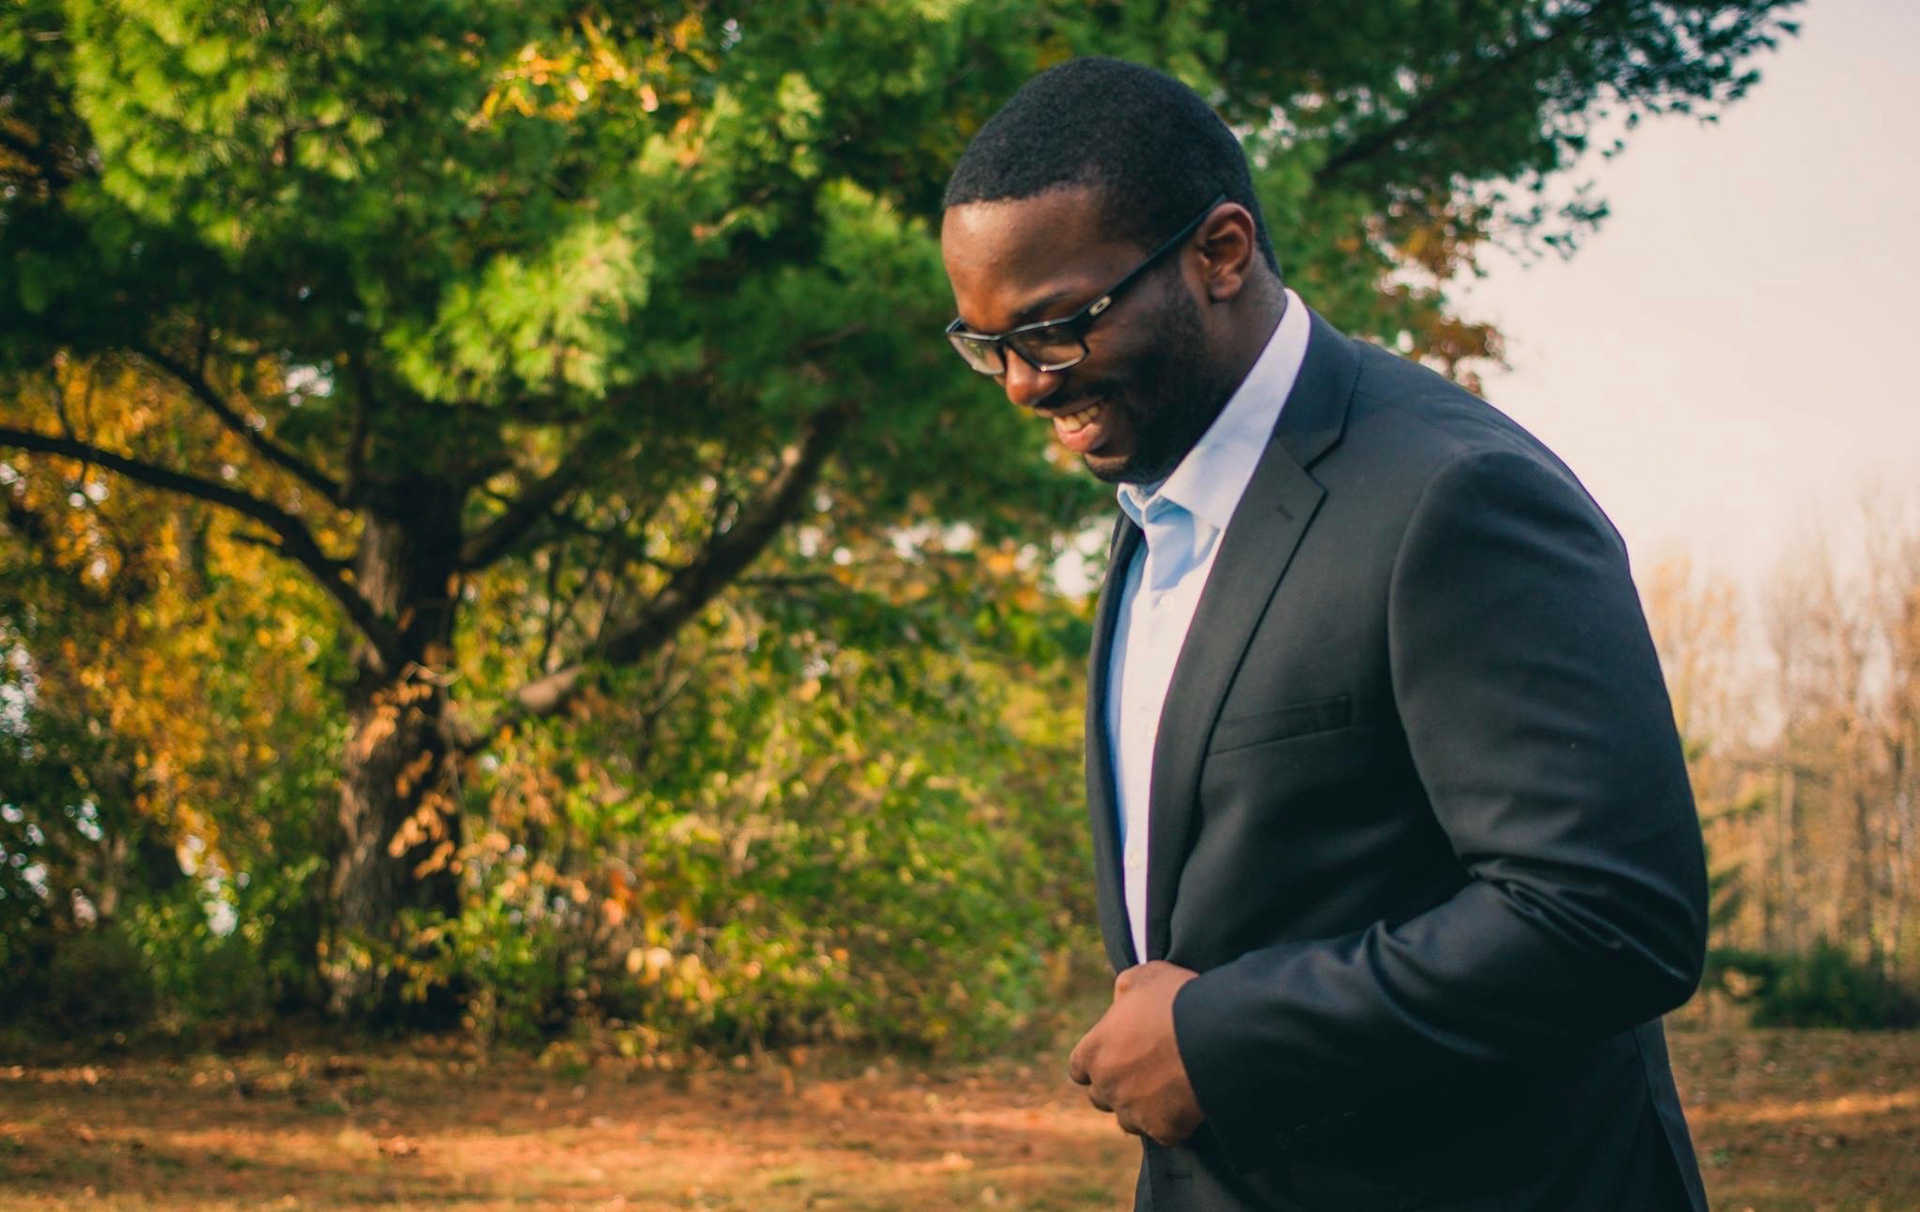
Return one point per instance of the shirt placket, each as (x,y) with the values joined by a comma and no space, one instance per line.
(1168,529)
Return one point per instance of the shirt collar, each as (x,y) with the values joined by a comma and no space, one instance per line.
(1210,480)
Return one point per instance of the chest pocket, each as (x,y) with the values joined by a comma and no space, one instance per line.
(1280,723)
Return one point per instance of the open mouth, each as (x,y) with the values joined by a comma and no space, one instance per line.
(1074,422)
(1082,429)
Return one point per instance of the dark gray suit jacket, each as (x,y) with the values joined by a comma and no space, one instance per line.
(1420,820)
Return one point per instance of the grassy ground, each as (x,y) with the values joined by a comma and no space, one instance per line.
(1808,1121)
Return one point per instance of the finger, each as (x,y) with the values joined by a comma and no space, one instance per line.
(1098,1095)
(1099,1098)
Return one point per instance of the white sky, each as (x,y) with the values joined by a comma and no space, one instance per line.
(1728,363)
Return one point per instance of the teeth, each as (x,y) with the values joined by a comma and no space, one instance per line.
(1074,422)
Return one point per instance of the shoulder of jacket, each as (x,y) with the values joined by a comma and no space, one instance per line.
(1424,422)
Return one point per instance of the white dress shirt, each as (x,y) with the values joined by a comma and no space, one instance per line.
(1183,517)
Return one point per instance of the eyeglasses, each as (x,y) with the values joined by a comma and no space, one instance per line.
(1050,345)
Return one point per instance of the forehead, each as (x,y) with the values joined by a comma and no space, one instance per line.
(1011,258)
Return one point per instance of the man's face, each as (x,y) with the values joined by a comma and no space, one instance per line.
(1148,387)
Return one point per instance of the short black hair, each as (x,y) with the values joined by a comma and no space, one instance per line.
(1153,147)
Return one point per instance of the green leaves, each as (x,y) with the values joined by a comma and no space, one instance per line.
(557,320)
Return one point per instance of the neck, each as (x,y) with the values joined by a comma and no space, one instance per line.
(1254,327)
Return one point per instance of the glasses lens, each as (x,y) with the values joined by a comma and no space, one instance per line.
(1053,347)
(983,356)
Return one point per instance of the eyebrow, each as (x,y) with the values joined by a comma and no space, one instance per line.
(1031,312)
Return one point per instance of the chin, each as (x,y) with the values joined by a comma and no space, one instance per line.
(1118,473)
(1131,468)
(1112,468)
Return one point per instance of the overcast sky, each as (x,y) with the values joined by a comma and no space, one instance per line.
(1729,361)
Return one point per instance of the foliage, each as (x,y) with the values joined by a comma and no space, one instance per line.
(1824,986)
(165,749)
(858,822)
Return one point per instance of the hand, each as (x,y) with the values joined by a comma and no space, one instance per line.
(1130,1062)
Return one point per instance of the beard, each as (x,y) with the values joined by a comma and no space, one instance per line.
(1168,398)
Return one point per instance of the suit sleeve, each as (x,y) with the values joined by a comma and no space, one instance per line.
(1538,723)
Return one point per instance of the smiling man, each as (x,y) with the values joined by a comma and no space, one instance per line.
(1395,854)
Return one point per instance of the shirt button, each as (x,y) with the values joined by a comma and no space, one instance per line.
(1134,859)
(1159,601)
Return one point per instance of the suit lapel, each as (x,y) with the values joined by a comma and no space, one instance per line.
(1272,516)
(1102,798)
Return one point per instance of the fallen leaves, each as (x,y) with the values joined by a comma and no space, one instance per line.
(1782,1120)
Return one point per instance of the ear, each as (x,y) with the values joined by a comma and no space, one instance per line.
(1228,251)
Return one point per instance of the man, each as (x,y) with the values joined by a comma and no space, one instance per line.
(1396,856)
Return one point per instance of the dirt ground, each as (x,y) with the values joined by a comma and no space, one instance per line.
(1813,1121)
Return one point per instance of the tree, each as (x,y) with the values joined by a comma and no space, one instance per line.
(1695,621)
(1845,656)
(162,688)
(624,295)
(1892,610)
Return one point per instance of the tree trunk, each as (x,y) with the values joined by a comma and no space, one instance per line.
(399,818)
(1900,846)
(1787,838)
(1866,923)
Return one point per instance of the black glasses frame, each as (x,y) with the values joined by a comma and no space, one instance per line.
(986,352)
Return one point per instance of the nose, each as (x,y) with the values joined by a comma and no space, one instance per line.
(1027,387)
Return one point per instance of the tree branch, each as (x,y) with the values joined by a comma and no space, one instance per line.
(798,580)
(203,391)
(690,587)
(1437,100)
(273,543)
(498,537)
(296,542)
(550,627)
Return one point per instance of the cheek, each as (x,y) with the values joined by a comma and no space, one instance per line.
(1155,384)
(1130,374)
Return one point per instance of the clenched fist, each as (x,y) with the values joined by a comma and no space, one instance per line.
(1130,1063)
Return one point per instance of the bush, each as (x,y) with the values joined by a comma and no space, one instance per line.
(1823,986)
(848,845)
(96,980)
(199,975)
